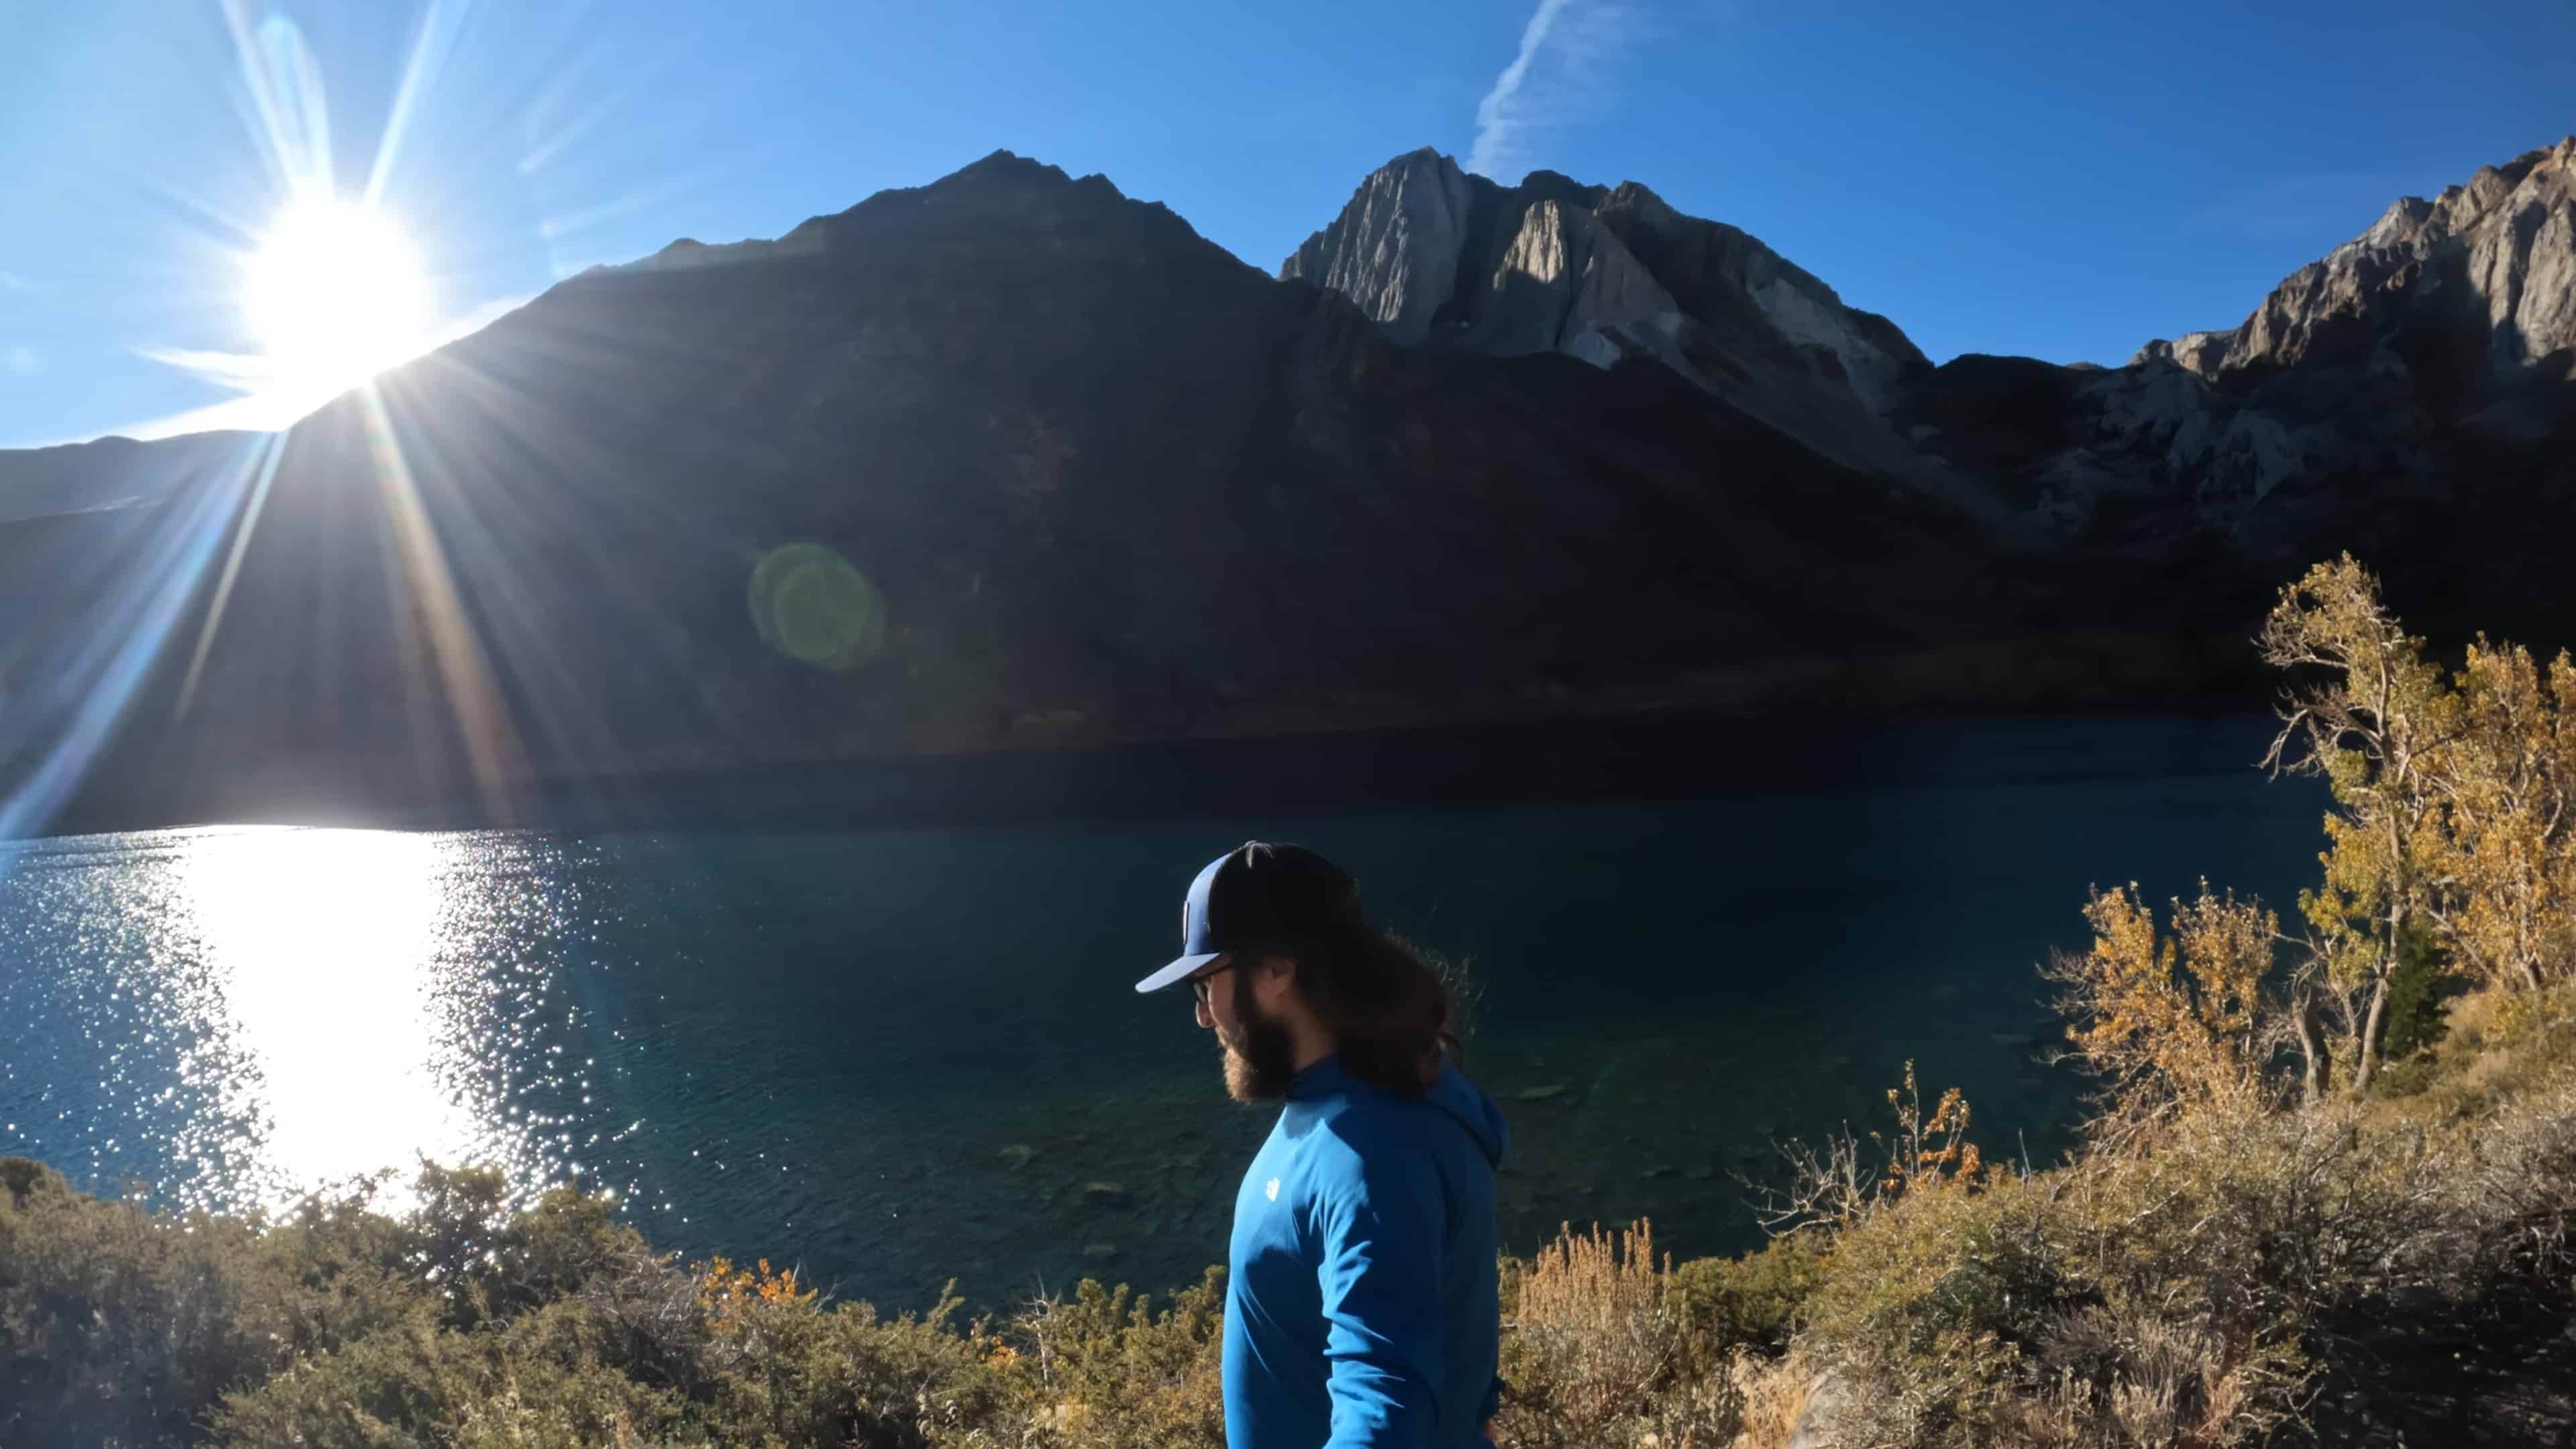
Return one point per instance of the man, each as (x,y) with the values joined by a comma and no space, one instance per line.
(1360,1307)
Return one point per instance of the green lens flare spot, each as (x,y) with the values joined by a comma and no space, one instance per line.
(811,605)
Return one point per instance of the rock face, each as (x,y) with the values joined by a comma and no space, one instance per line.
(2410,396)
(2363,390)
(2199,353)
(1395,249)
(2487,269)
(1442,258)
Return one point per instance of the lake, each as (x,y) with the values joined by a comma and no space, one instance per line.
(902,1055)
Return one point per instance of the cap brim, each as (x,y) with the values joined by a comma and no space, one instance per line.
(1180,970)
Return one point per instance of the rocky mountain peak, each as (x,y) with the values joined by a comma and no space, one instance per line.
(2422,367)
(1396,248)
(2494,256)
(1635,198)
(1435,255)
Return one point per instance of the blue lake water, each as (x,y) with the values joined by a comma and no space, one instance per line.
(900,1056)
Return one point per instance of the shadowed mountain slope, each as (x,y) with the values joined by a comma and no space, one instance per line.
(1047,466)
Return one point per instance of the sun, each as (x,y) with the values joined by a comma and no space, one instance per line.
(335,294)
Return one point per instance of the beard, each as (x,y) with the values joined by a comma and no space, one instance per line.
(1260,1054)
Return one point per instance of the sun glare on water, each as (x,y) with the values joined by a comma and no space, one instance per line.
(336,295)
(328,945)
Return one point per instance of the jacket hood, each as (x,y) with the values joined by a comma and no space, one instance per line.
(1473,1110)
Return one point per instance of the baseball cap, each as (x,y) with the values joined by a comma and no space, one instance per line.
(1258,894)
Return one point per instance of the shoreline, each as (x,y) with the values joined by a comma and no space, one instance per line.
(1675,755)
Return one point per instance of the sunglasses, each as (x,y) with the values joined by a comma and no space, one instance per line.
(1202,986)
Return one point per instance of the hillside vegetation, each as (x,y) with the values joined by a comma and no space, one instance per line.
(2325,1196)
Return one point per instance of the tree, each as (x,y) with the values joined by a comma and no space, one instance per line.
(2506,897)
(2370,714)
(2167,1019)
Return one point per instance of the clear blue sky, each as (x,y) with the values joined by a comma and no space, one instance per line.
(2060,180)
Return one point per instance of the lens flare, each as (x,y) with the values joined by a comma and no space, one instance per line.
(811,604)
(335,294)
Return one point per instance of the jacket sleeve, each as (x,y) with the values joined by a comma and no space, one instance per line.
(1380,1276)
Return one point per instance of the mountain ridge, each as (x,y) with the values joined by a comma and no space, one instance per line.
(1440,256)
(2392,397)
(2497,225)
(1479,453)
(1087,476)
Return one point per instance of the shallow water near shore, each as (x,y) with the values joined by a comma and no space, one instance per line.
(902,1056)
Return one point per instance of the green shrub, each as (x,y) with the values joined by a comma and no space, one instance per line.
(1103,1370)
(120,1328)
(847,1377)
(2410,1076)
(1750,1302)
(421,1385)
(2420,992)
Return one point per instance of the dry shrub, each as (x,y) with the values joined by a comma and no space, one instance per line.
(1843,1182)
(2170,1282)
(2176,1388)
(2209,1282)
(1596,1351)
(2517,1193)
(1771,1394)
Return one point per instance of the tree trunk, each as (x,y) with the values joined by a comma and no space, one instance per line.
(2312,1049)
(2368,1062)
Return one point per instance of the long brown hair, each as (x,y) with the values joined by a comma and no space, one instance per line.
(1390,1007)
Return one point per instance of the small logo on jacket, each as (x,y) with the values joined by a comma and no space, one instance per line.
(1270,1189)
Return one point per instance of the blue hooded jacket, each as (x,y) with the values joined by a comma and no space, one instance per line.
(1360,1307)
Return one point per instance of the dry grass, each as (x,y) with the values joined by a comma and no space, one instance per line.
(1596,1350)
(2239,1270)
(1772,1394)
(2231,1267)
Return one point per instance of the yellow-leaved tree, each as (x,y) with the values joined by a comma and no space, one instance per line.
(2505,897)
(2165,1020)
(2368,712)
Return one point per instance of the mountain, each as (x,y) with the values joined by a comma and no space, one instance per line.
(1005,459)
(2408,396)
(2380,399)
(2478,282)
(110,473)
(1442,258)
(1012,459)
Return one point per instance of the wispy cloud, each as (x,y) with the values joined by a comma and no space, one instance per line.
(12,282)
(239,371)
(1557,75)
(270,402)
(20,359)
